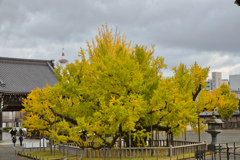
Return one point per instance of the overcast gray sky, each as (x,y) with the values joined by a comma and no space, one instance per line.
(206,31)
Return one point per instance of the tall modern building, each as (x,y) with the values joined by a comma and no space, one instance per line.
(226,81)
(234,81)
(216,80)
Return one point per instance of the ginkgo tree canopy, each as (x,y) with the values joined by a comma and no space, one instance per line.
(117,89)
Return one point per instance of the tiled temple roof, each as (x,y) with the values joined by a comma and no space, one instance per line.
(19,76)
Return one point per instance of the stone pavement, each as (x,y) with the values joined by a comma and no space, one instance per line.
(227,136)
(7,152)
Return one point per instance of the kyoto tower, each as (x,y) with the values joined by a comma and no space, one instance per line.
(63,61)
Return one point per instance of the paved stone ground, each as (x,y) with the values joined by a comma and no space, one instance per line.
(7,152)
(227,136)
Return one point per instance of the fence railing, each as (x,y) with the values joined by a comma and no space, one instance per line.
(163,143)
(192,148)
(196,151)
(133,151)
(157,143)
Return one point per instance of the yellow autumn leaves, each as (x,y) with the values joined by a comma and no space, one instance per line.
(118,89)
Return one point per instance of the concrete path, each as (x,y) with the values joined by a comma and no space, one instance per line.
(7,152)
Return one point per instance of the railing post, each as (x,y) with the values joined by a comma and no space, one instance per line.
(205,142)
(90,153)
(63,149)
(219,151)
(67,149)
(130,144)
(227,152)
(183,151)
(170,151)
(234,147)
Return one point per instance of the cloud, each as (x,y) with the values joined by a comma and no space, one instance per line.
(183,31)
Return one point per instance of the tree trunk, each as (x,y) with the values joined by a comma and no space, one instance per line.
(172,142)
(50,142)
(120,140)
(226,123)
(151,142)
(167,140)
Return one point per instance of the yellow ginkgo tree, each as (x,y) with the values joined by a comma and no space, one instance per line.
(229,102)
(119,89)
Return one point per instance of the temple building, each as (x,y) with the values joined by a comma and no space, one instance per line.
(18,77)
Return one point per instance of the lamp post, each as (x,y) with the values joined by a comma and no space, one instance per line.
(214,128)
(54,136)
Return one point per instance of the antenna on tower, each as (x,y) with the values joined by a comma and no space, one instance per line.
(115,35)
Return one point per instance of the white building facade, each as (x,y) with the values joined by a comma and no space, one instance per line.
(216,80)
(234,81)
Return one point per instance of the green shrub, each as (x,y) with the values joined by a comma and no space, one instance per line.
(6,129)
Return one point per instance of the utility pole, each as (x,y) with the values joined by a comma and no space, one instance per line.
(198,128)
(54,137)
(130,144)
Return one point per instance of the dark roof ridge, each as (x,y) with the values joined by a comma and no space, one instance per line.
(25,61)
(14,93)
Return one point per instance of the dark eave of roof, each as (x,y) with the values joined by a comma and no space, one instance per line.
(237,2)
(26,61)
(209,114)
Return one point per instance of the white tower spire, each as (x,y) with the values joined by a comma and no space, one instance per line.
(63,62)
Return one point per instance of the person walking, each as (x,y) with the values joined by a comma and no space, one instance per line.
(15,132)
(14,140)
(20,131)
(12,133)
(20,139)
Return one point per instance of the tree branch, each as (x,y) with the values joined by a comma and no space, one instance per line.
(73,121)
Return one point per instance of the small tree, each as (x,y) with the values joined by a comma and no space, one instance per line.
(230,103)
